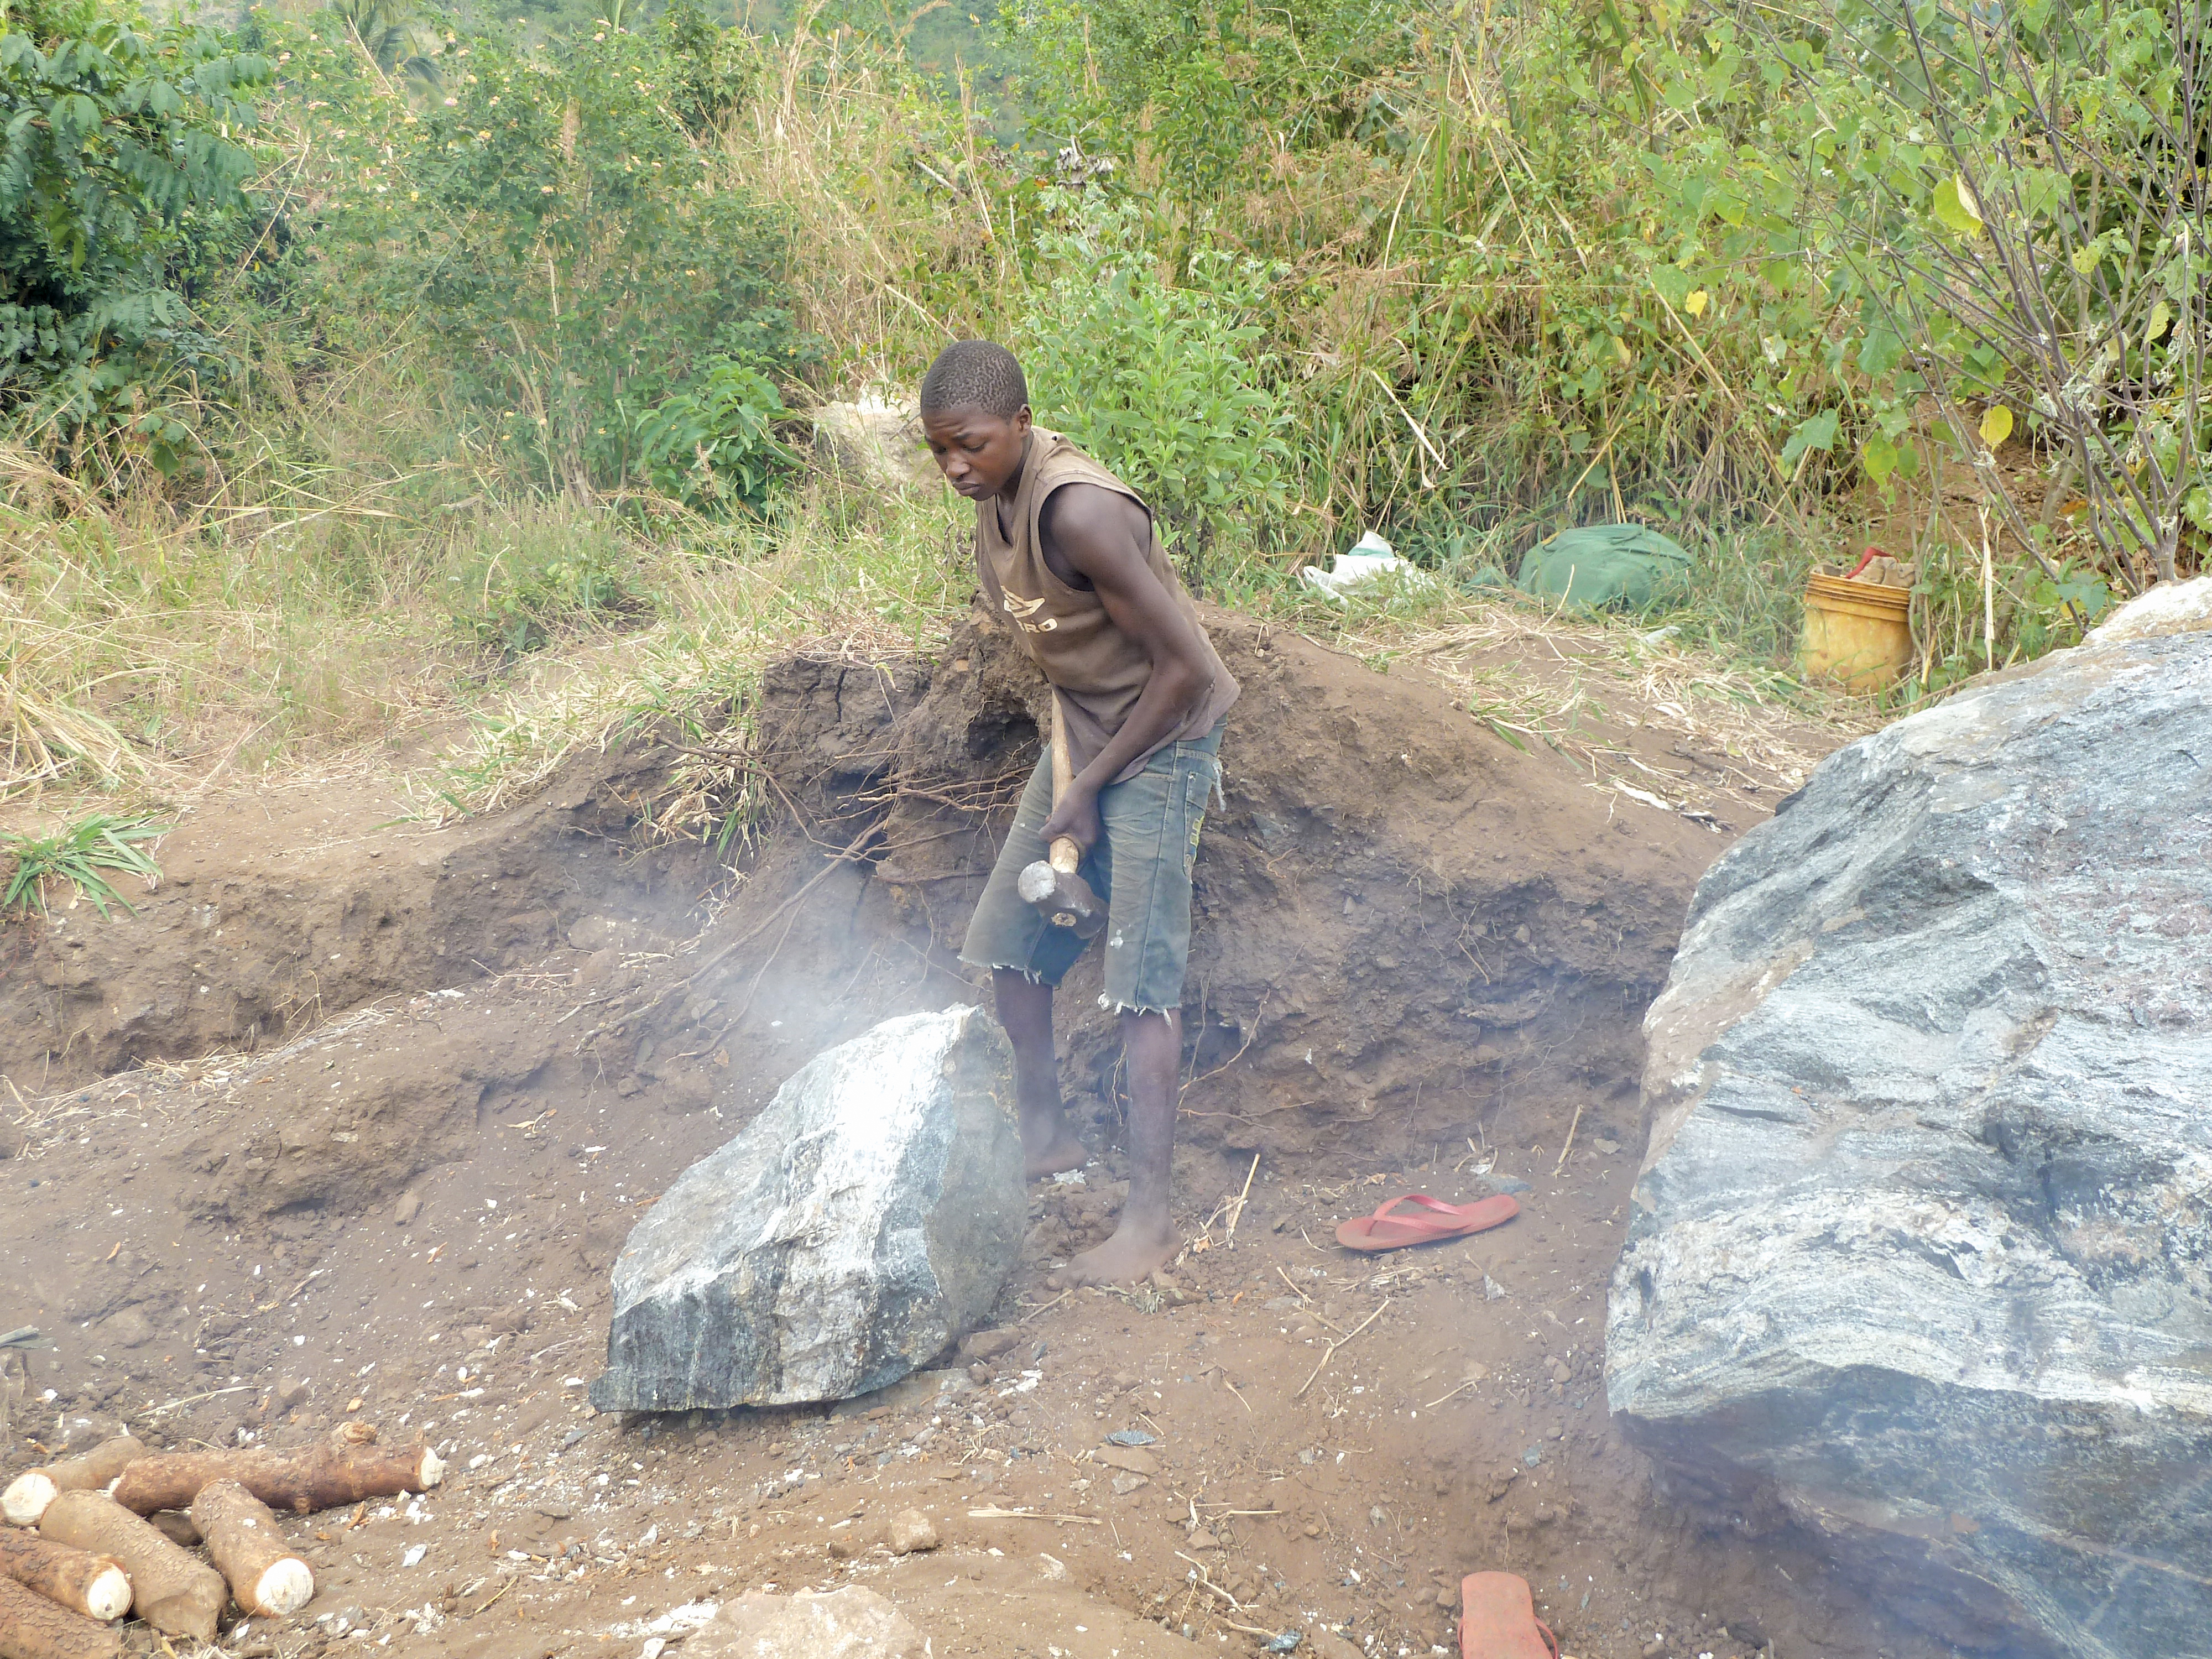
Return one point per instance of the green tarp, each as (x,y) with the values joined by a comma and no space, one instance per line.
(1606,564)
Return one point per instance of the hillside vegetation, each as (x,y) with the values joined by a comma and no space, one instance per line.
(359,368)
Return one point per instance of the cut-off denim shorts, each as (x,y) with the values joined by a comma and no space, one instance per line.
(1141,870)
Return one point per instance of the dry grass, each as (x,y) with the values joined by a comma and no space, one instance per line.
(1689,693)
(1574,682)
(868,580)
(897,214)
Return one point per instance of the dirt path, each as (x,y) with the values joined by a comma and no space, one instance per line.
(501,1031)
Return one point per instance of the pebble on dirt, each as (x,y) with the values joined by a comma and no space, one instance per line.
(911,1532)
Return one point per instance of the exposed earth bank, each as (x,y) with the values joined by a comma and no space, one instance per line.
(357,1109)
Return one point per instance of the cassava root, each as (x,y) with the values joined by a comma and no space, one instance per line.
(322,1477)
(28,1493)
(266,1575)
(173,1593)
(32,1627)
(93,1585)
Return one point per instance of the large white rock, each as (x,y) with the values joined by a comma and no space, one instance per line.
(870,1214)
(878,441)
(1922,1248)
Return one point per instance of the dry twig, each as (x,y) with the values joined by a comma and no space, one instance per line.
(1341,1342)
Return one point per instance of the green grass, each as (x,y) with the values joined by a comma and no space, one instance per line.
(81,855)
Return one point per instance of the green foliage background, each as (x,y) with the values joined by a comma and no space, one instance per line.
(335,310)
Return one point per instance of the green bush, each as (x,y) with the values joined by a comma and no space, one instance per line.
(713,447)
(81,855)
(1209,88)
(552,227)
(121,168)
(1166,384)
(1991,214)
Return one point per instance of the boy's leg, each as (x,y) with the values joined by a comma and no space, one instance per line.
(1144,1239)
(1049,1145)
(1151,825)
(1026,957)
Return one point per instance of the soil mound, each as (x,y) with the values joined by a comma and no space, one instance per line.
(1408,929)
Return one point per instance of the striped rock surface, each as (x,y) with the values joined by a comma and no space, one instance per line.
(1921,1252)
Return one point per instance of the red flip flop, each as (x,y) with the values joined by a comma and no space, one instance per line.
(1497,1620)
(1385,1231)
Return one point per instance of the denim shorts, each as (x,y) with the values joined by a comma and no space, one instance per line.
(1141,870)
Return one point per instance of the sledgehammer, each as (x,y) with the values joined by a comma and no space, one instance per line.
(1062,897)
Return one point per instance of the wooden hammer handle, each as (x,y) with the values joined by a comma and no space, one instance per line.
(1063,855)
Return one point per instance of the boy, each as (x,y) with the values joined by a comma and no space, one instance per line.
(1069,557)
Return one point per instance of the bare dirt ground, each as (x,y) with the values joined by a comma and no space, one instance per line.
(350,1120)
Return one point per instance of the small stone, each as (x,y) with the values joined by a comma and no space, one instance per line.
(912,1531)
(1448,1596)
(1313,1529)
(1655,1647)
(1123,1485)
(176,1526)
(409,1207)
(1561,1371)
(987,1344)
(979,1373)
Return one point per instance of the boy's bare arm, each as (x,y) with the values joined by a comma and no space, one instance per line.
(1104,536)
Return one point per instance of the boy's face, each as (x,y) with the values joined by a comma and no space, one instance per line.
(977,453)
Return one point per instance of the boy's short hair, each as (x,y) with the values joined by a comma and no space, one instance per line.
(975,374)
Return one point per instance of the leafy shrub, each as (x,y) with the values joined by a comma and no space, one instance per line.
(2003,214)
(713,446)
(120,162)
(547,219)
(1167,384)
(1207,86)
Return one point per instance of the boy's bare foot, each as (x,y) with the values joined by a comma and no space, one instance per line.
(1136,1249)
(1062,1151)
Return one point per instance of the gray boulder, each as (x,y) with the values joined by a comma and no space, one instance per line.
(1920,1253)
(869,1215)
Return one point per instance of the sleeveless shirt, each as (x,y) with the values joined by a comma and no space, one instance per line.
(1098,672)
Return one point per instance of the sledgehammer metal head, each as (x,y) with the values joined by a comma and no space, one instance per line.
(1062,897)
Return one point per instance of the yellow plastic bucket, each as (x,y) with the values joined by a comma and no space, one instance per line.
(1858,633)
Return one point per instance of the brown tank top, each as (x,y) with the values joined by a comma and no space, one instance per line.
(1097,671)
